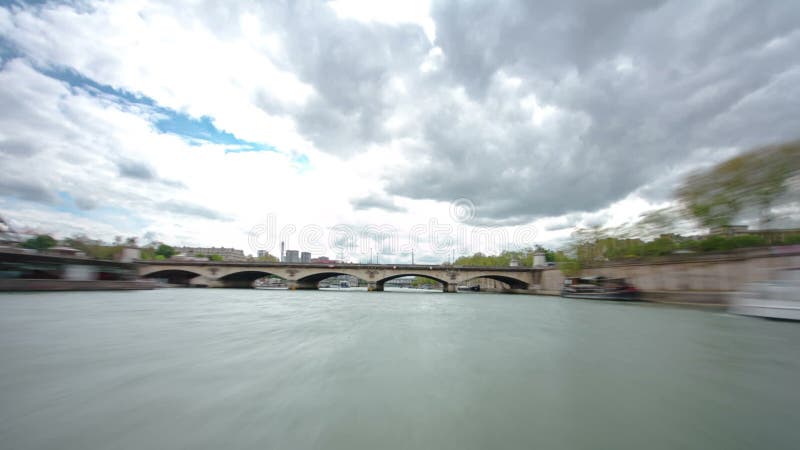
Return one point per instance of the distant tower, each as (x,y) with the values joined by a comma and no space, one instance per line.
(283,245)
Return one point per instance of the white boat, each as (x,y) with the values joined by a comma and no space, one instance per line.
(773,299)
(599,288)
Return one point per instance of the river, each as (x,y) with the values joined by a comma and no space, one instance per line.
(266,369)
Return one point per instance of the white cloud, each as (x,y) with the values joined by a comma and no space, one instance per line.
(537,122)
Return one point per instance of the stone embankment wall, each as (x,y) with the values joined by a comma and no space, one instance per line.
(691,278)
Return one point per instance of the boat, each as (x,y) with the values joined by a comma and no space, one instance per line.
(344,284)
(474,288)
(599,288)
(773,299)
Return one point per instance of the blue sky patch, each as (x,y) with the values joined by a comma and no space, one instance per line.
(121,96)
(192,130)
(302,161)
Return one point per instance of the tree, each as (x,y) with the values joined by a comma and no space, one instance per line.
(40,242)
(422,281)
(267,257)
(165,251)
(569,266)
(215,257)
(524,257)
(749,184)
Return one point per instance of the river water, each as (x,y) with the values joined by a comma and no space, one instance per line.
(259,369)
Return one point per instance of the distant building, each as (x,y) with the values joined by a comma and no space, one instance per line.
(729,230)
(291,256)
(771,235)
(227,254)
(182,257)
(305,257)
(129,254)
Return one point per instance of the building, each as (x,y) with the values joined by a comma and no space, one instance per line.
(771,235)
(291,256)
(305,257)
(729,230)
(227,254)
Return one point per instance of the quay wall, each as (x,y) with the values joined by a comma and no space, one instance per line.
(701,279)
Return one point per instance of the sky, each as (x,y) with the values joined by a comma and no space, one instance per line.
(367,129)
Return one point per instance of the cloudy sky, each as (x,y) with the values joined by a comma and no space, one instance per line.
(246,123)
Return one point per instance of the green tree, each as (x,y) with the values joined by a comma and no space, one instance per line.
(753,182)
(267,257)
(40,242)
(215,257)
(523,257)
(569,266)
(165,251)
(422,281)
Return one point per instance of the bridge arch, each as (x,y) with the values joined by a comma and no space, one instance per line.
(312,281)
(250,275)
(423,275)
(513,283)
(379,284)
(173,276)
(244,278)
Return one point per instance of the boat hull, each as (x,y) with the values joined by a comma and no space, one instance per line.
(601,296)
(778,312)
(773,299)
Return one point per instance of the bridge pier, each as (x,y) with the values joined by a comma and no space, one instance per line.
(374,286)
(301,286)
(450,287)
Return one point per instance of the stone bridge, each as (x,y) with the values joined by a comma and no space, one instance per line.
(308,276)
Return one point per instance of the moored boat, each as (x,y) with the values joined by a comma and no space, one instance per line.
(773,299)
(599,288)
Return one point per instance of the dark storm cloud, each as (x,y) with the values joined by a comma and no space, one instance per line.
(136,170)
(17,148)
(637,91)
(142,171)
(191,209)
(376,202)
(351,66)
(27,189)
(640,86)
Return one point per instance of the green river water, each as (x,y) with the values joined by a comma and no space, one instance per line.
(345,369)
